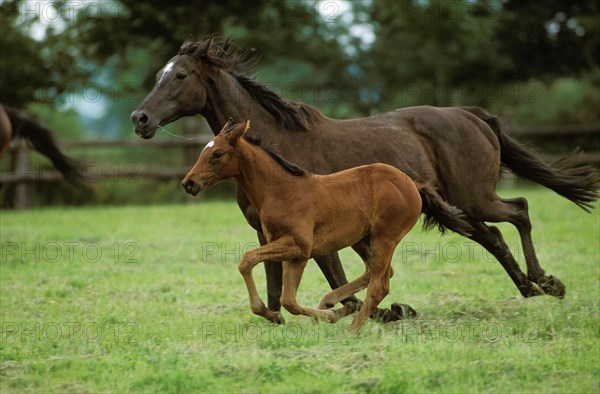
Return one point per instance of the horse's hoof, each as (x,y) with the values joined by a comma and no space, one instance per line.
(395,313)
(533,290)
(553,286)
(404,311)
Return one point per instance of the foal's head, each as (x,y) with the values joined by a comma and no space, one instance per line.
(218,160)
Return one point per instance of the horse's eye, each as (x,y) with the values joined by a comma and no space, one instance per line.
(218,154)
(181,76)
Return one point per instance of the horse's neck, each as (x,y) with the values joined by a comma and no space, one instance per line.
(226,98)
(260,175)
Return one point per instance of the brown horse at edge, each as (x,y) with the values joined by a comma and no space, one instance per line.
(15,124)
(370,208)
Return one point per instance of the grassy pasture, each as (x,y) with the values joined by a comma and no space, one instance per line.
(148,299)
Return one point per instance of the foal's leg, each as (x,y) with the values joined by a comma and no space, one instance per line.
(332,269)
(272,268)
(396,312)
(379,286)
(280,249)
(515,211)
(362,248)
(292,274)
(334,296)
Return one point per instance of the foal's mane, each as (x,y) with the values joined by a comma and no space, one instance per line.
(290,167)
(292,115)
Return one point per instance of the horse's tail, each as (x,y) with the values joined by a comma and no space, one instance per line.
(42,141)
(570,176)
(439,212)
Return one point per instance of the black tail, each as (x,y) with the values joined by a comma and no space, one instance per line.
(42,141)
(570,176)
(439,212)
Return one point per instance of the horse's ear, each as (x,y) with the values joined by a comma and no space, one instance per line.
(234,136)
(226,125)
(205,47)
(189,40)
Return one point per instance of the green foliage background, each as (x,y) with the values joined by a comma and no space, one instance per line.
(532,62)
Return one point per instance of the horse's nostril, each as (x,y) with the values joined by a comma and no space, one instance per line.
(139,118)
(189,185)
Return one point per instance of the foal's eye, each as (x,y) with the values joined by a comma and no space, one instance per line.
(218,154)
(181,75)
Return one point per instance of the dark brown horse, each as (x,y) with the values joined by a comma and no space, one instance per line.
(15,124)
(5,130)
(370,208)
(454,154)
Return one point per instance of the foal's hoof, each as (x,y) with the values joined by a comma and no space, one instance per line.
(552,285)
(277,318)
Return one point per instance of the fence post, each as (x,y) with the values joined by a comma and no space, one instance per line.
(21,167)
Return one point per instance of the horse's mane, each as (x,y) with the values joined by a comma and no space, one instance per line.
(292,115)
(290,167)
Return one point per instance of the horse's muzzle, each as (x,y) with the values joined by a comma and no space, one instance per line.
(190,187)
(143,125)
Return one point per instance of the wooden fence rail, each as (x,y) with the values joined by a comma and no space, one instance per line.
(23,175)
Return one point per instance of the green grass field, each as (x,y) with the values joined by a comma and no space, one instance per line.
(149,299)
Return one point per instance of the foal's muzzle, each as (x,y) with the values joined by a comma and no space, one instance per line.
(190,187)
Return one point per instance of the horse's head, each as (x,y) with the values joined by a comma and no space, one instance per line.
(218,160)
(180,88)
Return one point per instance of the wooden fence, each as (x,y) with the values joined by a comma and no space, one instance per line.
(23,175)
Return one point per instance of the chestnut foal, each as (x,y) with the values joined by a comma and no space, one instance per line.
(370,208)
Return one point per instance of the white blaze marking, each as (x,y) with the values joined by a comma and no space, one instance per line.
(166,70)
(209,145)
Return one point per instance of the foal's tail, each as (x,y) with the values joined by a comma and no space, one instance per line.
(570,176)
(42,141)
(439,212)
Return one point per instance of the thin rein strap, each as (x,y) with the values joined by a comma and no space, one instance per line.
(179,136)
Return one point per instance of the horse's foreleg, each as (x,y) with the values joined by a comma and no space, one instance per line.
(273,275)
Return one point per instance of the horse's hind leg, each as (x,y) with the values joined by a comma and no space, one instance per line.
(520,218)
(515,211)
(491,239)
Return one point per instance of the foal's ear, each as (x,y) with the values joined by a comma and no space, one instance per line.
(234,136)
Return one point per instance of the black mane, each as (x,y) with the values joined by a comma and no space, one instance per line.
(290,167)
(292,115)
